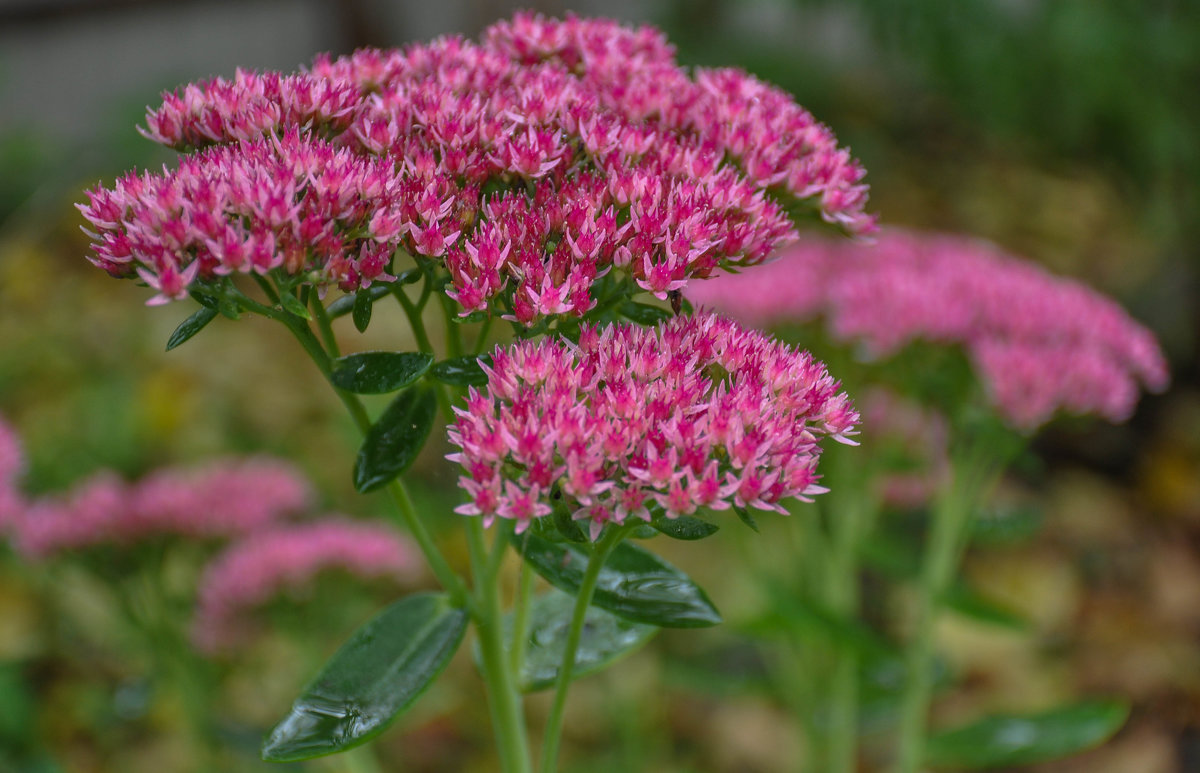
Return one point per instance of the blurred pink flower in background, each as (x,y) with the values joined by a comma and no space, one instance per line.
(287,558)
(12,464)
(1039,343)
(222,499)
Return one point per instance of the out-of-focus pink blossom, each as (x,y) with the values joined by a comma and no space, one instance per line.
(1039,343)
(696,413)
(12,464)
(530,164)
(266,564)
(223,499)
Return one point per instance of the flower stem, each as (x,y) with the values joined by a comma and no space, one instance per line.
(583,600)
(520,629)
(397,492)
(843,590)
(943,551)
(504,700)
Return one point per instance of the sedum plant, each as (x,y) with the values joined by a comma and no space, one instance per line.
(987,348)
(537,181)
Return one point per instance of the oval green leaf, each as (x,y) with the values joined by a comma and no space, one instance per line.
(466,319)
(606,638)
(394,441)
(634,583)
(293,305)
(684,527)
(385,666)
(462,371)
(373,373)
(361,313)
(644,313)
(1004,741)
(744,516)
(191,326)
(344,305)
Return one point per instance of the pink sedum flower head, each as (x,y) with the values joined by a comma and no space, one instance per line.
(266,564)
(12,464)
(696,413)
(529,164)
(1039,343)
(223,499)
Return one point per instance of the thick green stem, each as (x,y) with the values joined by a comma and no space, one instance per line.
(584,599)
(504,700)
(520,630)
(843,589)
(325,325)
(481,339)
(414,319)
(943,550)
(395,489)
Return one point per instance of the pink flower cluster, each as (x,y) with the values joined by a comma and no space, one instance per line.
(12,463)
(224,499)
(1040,343)
(290,202)
(696,413)
(530,164)
(263,565)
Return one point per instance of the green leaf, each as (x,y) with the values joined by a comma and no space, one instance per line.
(1006,526)
(205,298)
(644,313)
(644,531)
(1007,740)
(409,276)
(474,316)
(229,307)
(191,326)
(394,440)
(967,602)
(570,529)
(361,314)
(373,373)
(684,527)
(634,583)
(293,305)
(462,371)
(606,638)
(744,515)
(385,666)
(344,305)
(790,612)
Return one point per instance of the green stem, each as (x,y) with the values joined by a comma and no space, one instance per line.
(946,542)
(325,325)
(587,587)
(844,593)
(851,509)
(481,339)
(396,489)
(414,319)
(454,345)
(520,631)
(418,327)
(504,700)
